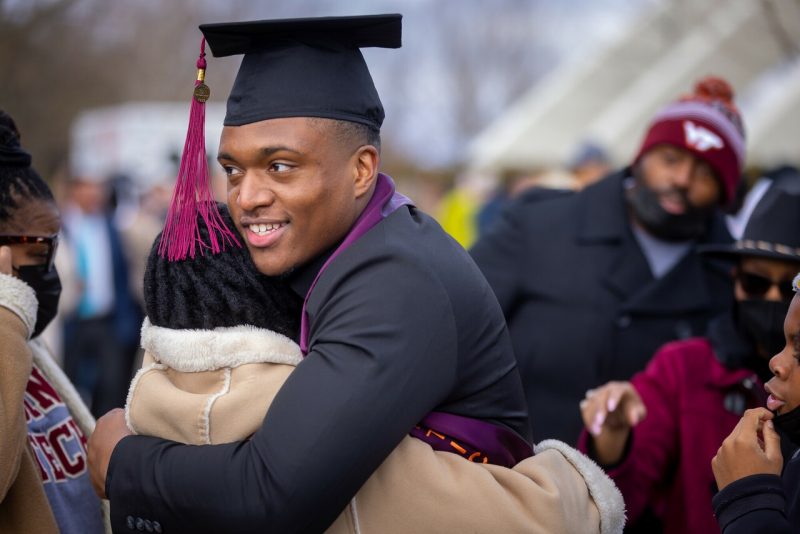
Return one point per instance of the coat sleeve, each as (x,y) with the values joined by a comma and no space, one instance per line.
(382,357)
(17,311)
(653,444)
(500,254)
(556,490)
(752,505)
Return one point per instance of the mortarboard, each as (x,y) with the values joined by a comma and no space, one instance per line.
(309,67)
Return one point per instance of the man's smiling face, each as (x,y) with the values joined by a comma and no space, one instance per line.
(294,188)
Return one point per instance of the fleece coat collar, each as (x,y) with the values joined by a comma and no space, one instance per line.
(20,298)
(191,351)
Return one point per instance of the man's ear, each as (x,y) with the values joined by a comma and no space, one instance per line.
(365,169)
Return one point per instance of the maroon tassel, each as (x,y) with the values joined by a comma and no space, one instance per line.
(192,195)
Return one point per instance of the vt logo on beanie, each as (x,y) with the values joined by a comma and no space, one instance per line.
(708,124)
(701,139)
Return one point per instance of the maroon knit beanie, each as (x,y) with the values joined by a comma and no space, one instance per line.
(707,124)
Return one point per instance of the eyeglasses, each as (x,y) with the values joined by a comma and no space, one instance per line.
(50,241)
(756,285)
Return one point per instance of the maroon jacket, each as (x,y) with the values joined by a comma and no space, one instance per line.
(693,403)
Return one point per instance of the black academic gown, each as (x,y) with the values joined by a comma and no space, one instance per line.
(402,323)
(581,303)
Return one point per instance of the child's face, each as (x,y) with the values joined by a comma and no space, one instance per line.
(784,387)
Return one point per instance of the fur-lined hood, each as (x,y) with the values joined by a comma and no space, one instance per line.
(192,351)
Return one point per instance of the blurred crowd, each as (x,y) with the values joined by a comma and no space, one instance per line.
(109,226)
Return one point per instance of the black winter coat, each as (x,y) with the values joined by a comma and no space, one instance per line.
(581,303)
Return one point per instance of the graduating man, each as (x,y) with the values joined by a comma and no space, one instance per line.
(401,332)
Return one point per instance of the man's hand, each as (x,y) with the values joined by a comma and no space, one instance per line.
(110,429)
(5,260)
(752,448)
(609,412)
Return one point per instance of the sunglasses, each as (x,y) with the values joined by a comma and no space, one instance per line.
(756,285)
(51,242)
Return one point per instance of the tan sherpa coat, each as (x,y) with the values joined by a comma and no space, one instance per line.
(201,386)
(24,507)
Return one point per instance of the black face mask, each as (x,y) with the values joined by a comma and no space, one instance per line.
(788,425)
(762,322)
(47,286)
(646,208)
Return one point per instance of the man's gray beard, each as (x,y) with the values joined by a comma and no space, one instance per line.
(645,207)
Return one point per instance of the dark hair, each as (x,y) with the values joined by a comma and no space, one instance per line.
(19,182)
(348,132)
(217,290)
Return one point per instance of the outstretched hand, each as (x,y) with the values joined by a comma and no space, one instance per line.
(752,448)
(609,412)
(110,430)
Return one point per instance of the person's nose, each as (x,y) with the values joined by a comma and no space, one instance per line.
(773,293)
(682,176)
(254,194)
(779,364)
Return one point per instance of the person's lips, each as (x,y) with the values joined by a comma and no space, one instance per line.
(672,204)
(774,403)
(262,234)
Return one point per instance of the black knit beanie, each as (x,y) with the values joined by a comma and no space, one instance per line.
(217,290)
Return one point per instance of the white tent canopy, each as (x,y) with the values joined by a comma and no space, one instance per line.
(774,117)
(610,97)
(142,140)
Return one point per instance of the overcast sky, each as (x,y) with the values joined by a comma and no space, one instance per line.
(434,106)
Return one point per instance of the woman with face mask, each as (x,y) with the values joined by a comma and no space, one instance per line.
(757,468)
(656,434)
(44,481)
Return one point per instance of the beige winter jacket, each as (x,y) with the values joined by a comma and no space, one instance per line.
(202,386)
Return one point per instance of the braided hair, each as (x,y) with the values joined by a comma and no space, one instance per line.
(217,290)
(19,182)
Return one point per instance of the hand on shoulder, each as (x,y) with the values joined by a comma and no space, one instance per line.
(110,430)
(5,260)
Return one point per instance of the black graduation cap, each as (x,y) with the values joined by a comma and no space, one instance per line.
(310,67)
